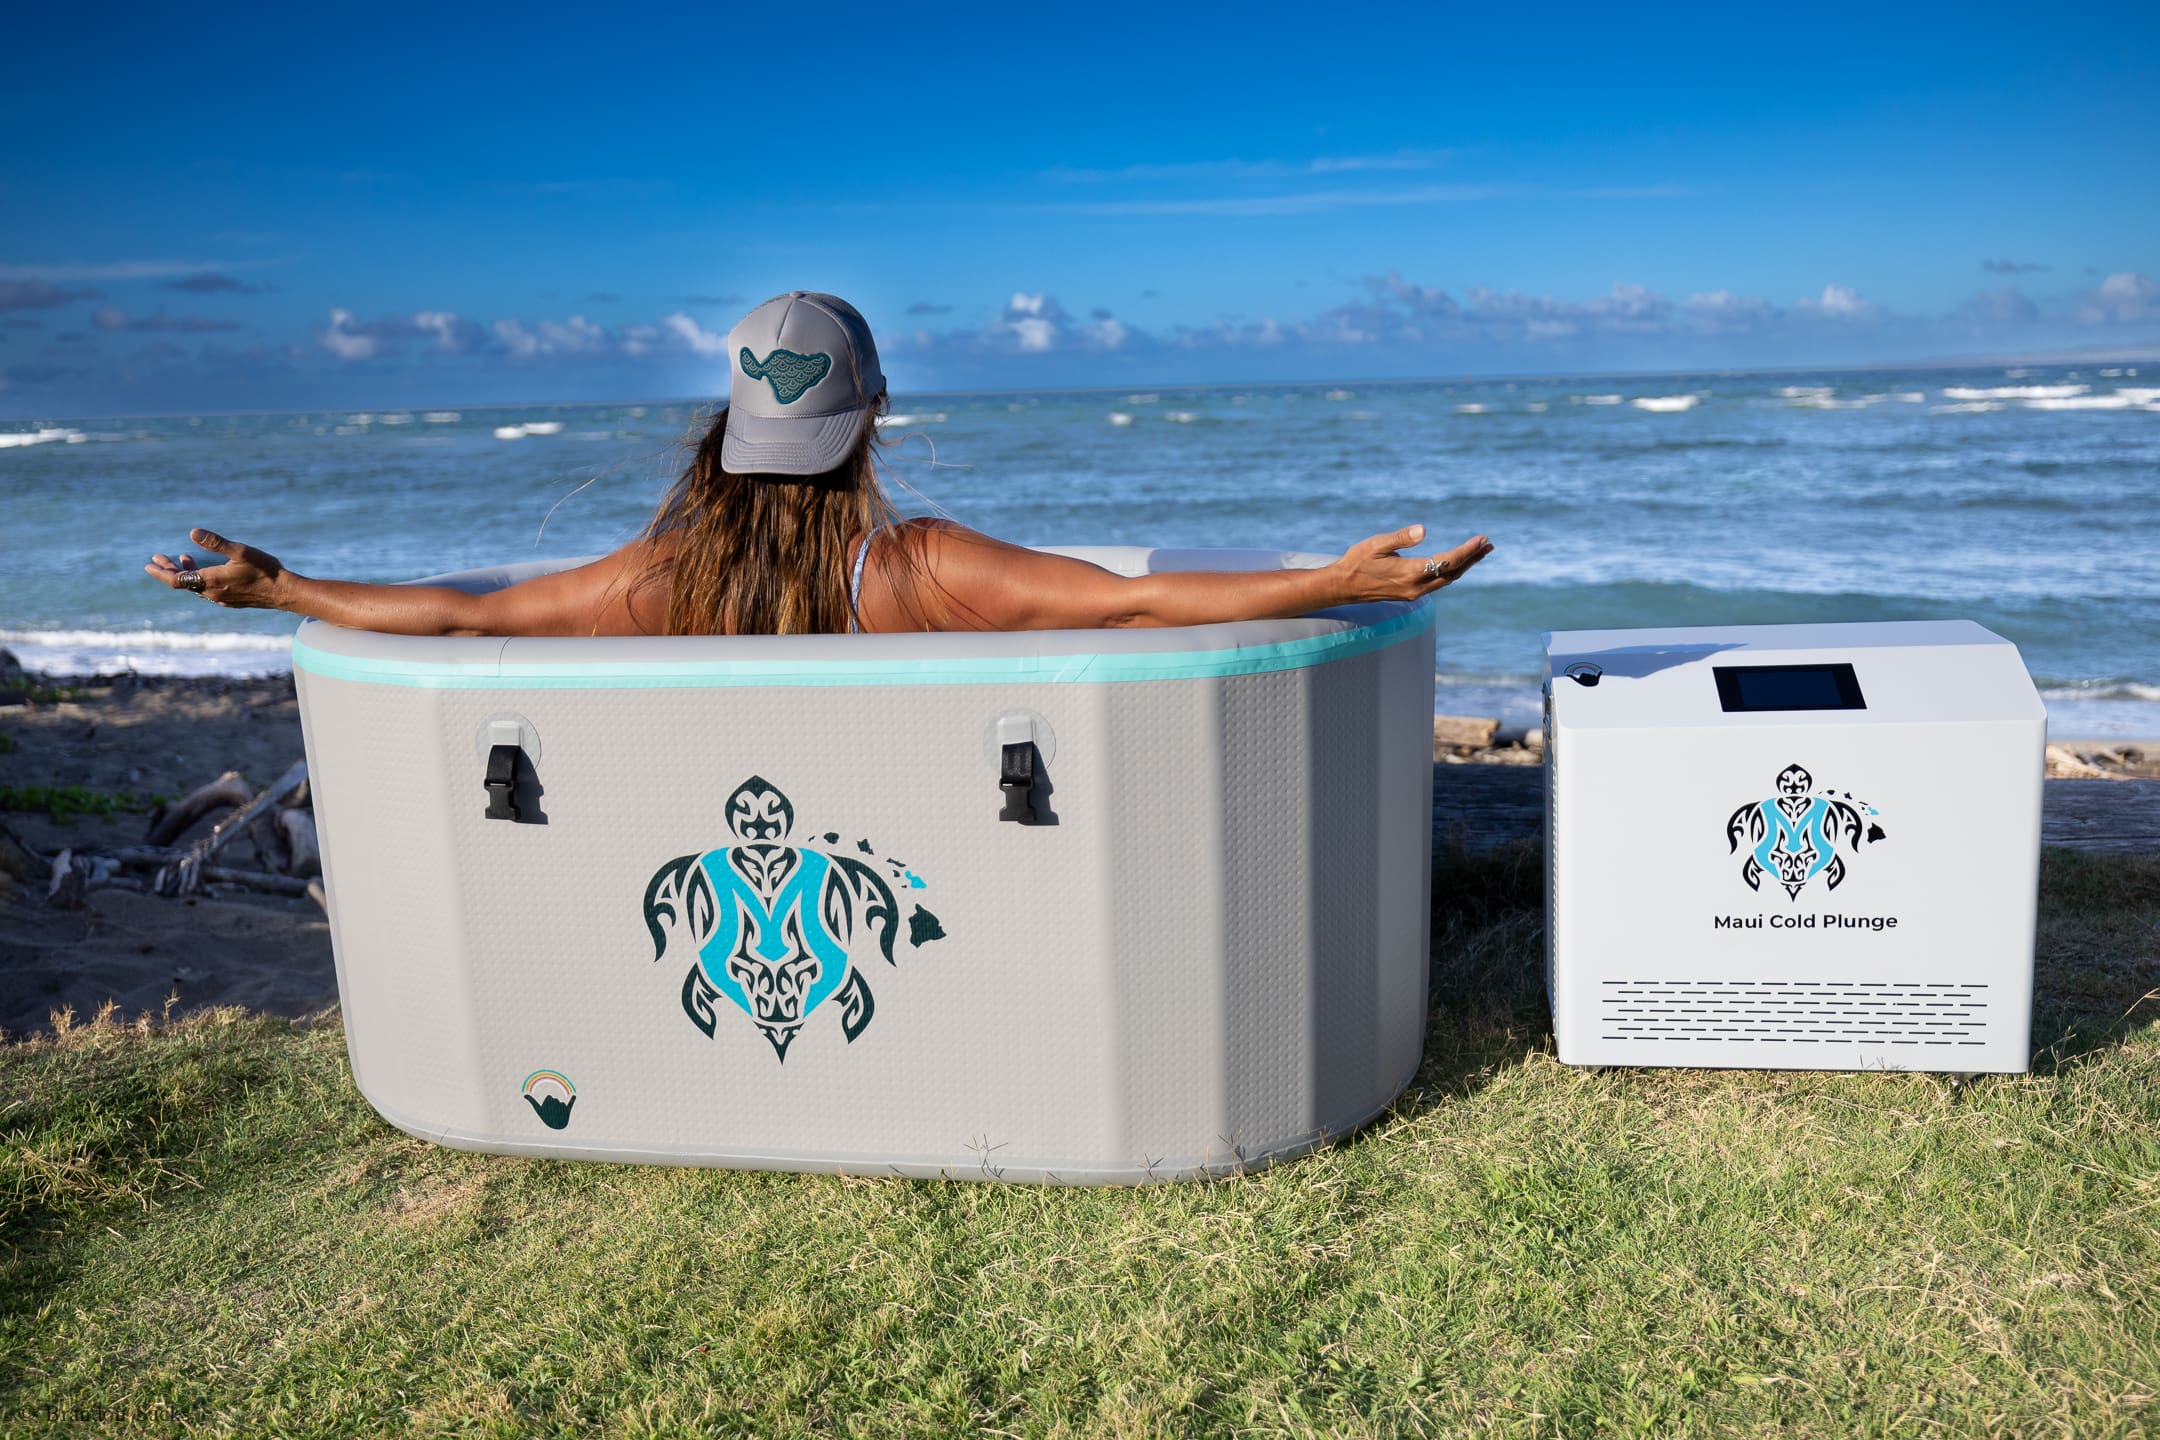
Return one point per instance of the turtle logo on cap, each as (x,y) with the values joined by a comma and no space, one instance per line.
(790,375)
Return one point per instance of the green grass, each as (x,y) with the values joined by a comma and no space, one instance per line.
(64,802)
(205,1231)
(38,693)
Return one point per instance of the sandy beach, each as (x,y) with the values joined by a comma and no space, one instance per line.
(145,738)
(142,738)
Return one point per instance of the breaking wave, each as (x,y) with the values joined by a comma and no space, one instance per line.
(15,439)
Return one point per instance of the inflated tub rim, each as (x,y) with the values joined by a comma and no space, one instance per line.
(1248,647)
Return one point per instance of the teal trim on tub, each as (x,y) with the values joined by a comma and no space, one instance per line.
(1092,668)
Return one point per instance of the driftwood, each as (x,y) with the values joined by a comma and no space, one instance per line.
(2121,816)
(227,792)
(302,856)
(1462,732)
(184,875)
(283,832)
(254,880)
(68,884)
(268,838)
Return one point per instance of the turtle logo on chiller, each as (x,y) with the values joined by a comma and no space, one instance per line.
(774,926)
(790,375)
(1797,834)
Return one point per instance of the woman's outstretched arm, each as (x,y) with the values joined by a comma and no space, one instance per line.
(601,598)
(973,582)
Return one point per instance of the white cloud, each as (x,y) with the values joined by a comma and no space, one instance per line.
(1106,332)
(516,341)
(450,333)
(574,337)
(700,340)
(1839,303)
(2122,299)
(342,339)
(1033,322)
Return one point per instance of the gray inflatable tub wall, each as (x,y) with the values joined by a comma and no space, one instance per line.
(758,907)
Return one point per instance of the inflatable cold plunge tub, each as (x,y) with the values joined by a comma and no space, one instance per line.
(1078,906)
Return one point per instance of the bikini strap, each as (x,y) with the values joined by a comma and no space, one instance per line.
(854,594)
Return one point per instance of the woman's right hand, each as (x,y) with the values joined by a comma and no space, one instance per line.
(1373,570)
(250,579)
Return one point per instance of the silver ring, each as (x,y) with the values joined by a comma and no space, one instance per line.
(1435,568)
(190,581)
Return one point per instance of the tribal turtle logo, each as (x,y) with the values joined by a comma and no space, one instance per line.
(789,374)
(777,927)
(1797,834)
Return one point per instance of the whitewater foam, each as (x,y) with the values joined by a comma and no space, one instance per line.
(530,427)
(16,439)
(1473,408)
(1666,404)
(2013,392)
(1593,399)
(150,652)
(1119,417)
(2098,690)
(2117,401)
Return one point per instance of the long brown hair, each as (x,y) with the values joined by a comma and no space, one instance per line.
(766,554)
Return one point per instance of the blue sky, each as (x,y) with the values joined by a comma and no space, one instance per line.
(294,207)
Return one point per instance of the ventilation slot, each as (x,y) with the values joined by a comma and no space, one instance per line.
(1794,1012)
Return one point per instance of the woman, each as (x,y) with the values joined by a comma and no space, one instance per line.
(779,526)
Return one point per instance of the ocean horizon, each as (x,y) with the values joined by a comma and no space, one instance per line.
(2024,497)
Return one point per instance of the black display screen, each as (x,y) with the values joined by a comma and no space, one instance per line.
(1788,687)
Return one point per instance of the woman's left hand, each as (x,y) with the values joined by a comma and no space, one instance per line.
(1373,570)
(250,579)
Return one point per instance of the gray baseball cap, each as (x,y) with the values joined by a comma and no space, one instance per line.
(802,370)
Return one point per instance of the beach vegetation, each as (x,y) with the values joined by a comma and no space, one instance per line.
(36,691)
(64,803)
(205,1230)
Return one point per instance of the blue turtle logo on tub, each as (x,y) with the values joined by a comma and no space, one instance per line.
(777,927)
(1797,833)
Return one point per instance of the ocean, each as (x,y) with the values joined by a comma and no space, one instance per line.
(2027,499)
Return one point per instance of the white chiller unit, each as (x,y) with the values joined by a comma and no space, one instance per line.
(1792,846)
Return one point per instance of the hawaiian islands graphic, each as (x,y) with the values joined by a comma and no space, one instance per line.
(551,1096)
(775,927)
(1796,834)
(789,374)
